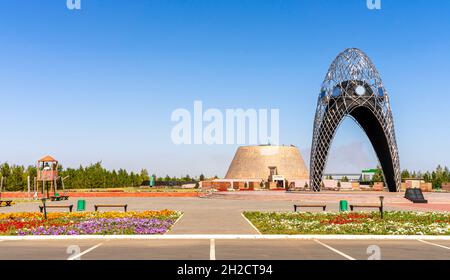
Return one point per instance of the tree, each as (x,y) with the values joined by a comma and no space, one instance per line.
(31,171)
(16,180)
(439,176)
(379,176)
(405,174)
(5,172)
(427,177)
(202,177)
(144,175)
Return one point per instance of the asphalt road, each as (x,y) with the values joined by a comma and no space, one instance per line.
(224,250)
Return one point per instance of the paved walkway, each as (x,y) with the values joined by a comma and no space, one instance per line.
(213,218)
(327,196)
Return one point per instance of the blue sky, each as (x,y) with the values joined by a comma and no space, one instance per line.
(101,83)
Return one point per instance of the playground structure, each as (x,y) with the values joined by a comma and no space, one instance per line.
(47,177)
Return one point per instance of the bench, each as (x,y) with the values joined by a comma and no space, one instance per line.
(124,206)
(323,206)
(374,206)
(59,198)
(70,207)
(6,202)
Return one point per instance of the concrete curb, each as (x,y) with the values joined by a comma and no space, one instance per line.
(225,237)
(171,227)
(251,224)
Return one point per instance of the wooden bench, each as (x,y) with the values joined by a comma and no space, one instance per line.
(59,198)
(124,206)
(70,207)
(374,206)
(6,202)
(323,206)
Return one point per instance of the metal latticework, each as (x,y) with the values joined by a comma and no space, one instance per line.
(353,87)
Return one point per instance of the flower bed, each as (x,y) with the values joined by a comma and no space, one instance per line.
(88,223)
(394,223)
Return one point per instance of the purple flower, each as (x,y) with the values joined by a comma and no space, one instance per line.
(114,226)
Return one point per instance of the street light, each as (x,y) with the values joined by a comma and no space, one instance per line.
(382,206)
(44,207)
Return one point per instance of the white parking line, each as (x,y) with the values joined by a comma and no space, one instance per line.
(212,250)
(171,227)
(334,250)
(253,226)
(77,256)
(434,244)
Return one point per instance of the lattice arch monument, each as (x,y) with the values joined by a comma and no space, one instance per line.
(353,87)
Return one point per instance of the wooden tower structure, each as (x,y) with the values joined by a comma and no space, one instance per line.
(47,175)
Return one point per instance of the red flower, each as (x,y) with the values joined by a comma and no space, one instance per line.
(349,218)
(16,225)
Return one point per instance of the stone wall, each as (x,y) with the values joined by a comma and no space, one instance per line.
(446,187)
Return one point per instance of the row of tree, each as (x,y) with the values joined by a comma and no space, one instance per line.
(436,178)
(96,176)
(90,177)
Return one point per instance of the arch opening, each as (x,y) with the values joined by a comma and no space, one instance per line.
(375,132)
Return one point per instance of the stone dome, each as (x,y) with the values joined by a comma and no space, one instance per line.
(254,162)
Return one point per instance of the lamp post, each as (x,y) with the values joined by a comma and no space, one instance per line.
(382,206)
(44,207)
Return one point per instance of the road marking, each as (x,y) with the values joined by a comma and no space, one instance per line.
(171,228)
(434,244)
(212,250)
(77,256)
(334,250)
(251,224)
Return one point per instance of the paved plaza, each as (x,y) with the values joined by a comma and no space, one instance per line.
(221,214)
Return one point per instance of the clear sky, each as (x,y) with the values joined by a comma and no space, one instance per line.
(100,84)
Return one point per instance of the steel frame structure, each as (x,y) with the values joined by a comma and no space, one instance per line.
(353,88)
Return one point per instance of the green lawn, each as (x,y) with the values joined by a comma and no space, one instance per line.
(394,223)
